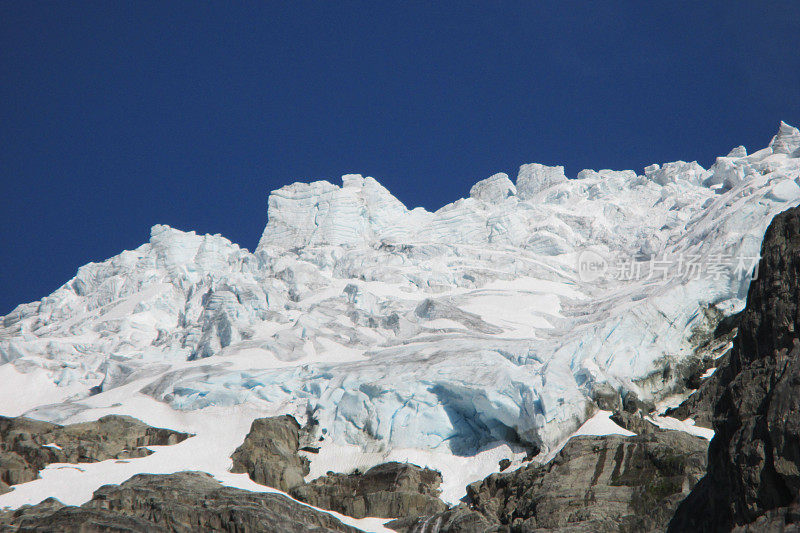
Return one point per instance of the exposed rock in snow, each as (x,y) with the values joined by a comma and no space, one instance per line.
(598,484)
(269,453)
(27,446)
(387,490)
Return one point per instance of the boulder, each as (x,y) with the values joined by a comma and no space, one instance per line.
(269,453)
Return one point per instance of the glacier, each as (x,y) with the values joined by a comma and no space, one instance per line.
(403,328)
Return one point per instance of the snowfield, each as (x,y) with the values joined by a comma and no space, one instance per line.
(431,336)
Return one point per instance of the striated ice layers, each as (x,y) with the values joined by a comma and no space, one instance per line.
(404,328)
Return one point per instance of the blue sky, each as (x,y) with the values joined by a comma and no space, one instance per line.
(115,116)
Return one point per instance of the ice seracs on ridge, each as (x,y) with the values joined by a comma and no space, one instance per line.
(403,328)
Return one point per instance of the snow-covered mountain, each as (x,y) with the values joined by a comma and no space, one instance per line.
(495,319)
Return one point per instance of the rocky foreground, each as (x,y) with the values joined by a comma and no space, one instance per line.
(652,481)
(594,483)
(181,502)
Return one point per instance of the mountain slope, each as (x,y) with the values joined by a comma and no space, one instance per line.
(397,331)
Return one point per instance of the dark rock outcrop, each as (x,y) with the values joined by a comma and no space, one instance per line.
(387,490)
(27,446)
(634,422)
(181,503)
(269,453)
(606,397)
(753,477)
(700,405)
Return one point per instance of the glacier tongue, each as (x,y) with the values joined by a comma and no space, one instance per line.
(398,328)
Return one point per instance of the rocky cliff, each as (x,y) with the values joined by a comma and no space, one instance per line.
(753,477)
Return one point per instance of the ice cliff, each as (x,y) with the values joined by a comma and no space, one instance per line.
(392,327)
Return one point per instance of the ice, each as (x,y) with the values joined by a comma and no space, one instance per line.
(787,141)
(494,190)
(449,332)
(534,178)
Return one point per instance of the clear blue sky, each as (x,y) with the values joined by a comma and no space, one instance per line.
(115,116)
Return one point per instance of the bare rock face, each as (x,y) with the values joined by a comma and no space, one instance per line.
(594,484)
(459,519)
(386,490)
(597,484)
(180,503)
(700,405)
(27,446)
(754,460)
(269,453)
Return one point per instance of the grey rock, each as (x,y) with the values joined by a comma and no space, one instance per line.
(269,453)
(634,422)
(753,476)
(780,520)
(606,397)
(603,483)
(460,519)
(631,403)
(700,405)
(595,484)
(387,490)
(27,446)
(181,503)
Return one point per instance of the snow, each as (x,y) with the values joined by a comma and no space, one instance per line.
(601,424)
(708,373)
(687,426)
(436,336)
(457,471)
(21,392)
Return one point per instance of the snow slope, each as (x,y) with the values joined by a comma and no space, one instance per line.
(449,332)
